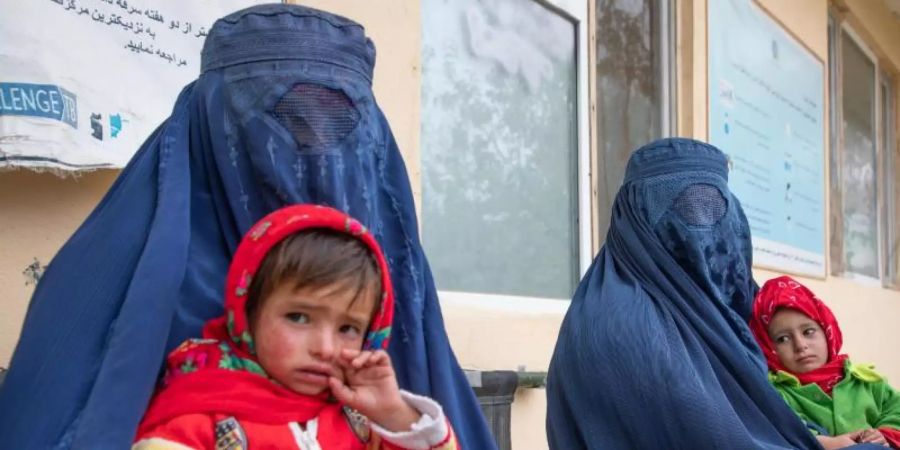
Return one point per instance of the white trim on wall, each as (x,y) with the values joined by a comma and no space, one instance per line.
(503,303)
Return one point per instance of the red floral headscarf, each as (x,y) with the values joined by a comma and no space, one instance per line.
(256,245)
(785,292)
(220,374)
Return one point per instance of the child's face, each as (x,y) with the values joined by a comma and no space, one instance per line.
(799,341)
(298,334)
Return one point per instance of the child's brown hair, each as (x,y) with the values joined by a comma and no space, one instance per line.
(316,258)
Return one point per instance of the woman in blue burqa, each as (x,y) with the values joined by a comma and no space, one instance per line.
(655,351)
(282,113)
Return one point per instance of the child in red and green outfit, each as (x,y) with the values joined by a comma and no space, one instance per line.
(802,341)
(297,360)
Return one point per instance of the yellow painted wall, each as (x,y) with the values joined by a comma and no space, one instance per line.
(875,23)
(39,211)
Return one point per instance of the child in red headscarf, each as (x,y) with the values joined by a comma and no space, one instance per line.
(802,342)
(298,359)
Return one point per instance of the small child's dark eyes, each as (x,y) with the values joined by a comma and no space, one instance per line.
(297,317)
(349,329)
(781,339)
(809,331)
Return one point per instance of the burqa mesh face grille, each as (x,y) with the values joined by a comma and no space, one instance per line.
(700,204)
(316,116)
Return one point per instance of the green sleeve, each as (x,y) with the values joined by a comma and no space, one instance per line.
(811,425)
(890,406)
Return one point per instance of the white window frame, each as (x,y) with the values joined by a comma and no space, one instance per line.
(886,146)
(576,12)
(578,15)
(845,27)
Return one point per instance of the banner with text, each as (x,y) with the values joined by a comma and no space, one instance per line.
(84,82)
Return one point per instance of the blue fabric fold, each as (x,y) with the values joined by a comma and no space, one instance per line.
(147,268)
(655,351)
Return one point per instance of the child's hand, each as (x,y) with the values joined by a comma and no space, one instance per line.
(370,387)
(871,436)
(836,442)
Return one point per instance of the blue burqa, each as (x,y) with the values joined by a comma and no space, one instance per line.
(282,113)
(655,352)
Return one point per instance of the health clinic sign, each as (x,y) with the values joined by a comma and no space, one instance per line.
(766,112)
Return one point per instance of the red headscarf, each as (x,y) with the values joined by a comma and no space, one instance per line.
(219,374)
(785,292)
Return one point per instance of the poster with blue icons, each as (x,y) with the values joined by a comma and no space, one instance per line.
(766,112)
(84,83)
